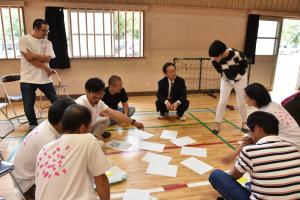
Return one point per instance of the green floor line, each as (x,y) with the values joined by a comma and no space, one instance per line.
(226,120)
(203,124)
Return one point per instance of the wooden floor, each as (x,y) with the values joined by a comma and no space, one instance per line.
(200,118)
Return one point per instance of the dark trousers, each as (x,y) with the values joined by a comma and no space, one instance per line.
(28,95)
(161,107)
(229,188)
(30,194)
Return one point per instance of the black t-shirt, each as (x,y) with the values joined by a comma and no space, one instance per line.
(112,100)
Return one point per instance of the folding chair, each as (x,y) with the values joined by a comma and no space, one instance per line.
(58,85)
(2,106)
(7,168)
(11,98)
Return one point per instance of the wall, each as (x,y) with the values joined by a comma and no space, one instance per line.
(169,33)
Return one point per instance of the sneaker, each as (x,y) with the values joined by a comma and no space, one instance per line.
(160,116)
(106,134)
(31,127)
(182,118)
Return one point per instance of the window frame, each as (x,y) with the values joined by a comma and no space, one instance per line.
(114,43)
(21,24)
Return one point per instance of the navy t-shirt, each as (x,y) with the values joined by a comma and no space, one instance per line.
(112,100)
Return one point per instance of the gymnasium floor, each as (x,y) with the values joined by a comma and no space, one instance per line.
(188,184)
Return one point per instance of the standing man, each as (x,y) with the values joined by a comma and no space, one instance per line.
(114,94)
(231,64)
(171,94)
(36,53)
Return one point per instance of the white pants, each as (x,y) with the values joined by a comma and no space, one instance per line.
(100,125)
(225,90)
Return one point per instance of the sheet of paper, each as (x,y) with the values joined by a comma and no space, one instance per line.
(151,146)
(183,141)
(141,134)
(156,158)
(133,194)
(192,151)
(167,134)
(162,169)
(118,145)
(196,165)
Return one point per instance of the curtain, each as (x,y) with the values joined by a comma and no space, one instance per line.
(57,35)
(251,36)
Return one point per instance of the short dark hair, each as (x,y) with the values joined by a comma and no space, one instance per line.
(164,68)
(259,93)
(58,108)
(94,85)
(216,48)
(75,116)
(38,23)
(268,122)
(113,79)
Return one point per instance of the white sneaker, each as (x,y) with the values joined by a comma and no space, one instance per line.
(182,118)
(160,116)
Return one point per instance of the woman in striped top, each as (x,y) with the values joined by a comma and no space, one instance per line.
(273,165)
(258,96)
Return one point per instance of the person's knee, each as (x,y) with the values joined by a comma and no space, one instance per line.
(215,176)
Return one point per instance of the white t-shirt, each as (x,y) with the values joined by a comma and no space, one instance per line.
(95,110)
(30,73)
(66,168)
(288,127)
(26,155)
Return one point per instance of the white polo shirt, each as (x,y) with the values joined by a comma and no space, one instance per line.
(30,73)
(25,158)
(95,110)
(66,167)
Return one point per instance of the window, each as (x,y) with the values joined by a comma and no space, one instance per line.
(267,37)
(11,29)
(104,33)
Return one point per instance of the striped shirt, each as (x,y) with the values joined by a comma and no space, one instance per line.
(274,167)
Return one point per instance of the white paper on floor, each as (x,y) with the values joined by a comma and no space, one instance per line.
(141,134)
(118,145)
(192,151)
(156,158)
(186,140)
(196,165)
(162,169)
(170,135)
(133,194)
(151,146)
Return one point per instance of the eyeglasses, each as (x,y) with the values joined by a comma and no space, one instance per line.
(44,30)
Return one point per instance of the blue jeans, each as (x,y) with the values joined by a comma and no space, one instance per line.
(131,111)
(28,96)
(229,188)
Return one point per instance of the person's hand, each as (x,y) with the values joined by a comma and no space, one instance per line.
(169,105)
(247,140)
(228,159)
(139,125)
(175,105)
(49,71)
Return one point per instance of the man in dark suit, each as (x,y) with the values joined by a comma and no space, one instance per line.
(171,94)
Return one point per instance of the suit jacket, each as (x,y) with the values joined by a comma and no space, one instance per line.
(179,90)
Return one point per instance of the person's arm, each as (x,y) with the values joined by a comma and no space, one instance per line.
(121,117)
(34,56)
(217,66)
(159,94)
(125,108)
(235,174)
(41,65)
(243,62)
(183,92)
(102,186)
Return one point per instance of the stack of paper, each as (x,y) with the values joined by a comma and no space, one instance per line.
(156,158)
(196,165)
(115,175)
(183,141)
(118,145)
(143,135)
(151,146)
(167,134)
(192,151)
